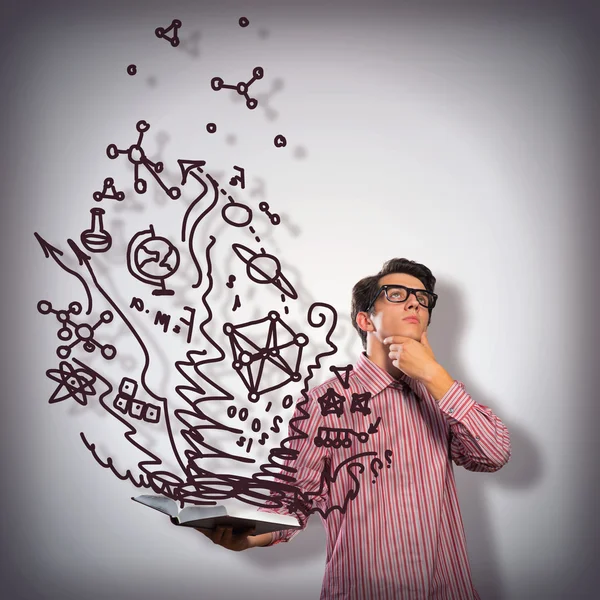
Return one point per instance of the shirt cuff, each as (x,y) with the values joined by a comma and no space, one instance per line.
(456,402)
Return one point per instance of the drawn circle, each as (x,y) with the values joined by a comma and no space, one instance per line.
(241,88)
(175,42)
(158,167)
(108,352)
(236,365)
(287,401)
(273,315)
(142,126)
(120,195)
(89,346)
(139,185)
(216,83)
(267,266)
(106,316)
(245,358)
(258,72)
(363,437)
(159,32)
(228,328)
(156,258)
(347,443)
(244,22)
(244,412)
(174,193)
(176,23)
(256,426)
(211,127)
(112,151)
(275,219)
(301,340)
(97,196)
(62,316)
(252,103)
(280,141)
(238,219)
(318,442)
(44,307)
(63,351)
(131,70)
(264,206)
(231,411)
(274,352)
(64,333)
(84,332)
(253,397)
(296,377)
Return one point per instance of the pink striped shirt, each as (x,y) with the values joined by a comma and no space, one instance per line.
(402,537)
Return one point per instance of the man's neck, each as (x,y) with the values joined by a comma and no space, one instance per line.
(378,354)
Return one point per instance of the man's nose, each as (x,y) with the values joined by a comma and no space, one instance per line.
(412,301)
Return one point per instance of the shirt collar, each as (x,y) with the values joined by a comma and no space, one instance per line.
(375,379)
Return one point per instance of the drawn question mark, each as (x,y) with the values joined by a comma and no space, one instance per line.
(388,458)
(374,470)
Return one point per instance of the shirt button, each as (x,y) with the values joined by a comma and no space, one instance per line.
(450,410)
(476,437)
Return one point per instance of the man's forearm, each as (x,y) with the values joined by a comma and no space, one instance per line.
(264,539)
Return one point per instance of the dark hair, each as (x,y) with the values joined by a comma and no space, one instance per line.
(366,288)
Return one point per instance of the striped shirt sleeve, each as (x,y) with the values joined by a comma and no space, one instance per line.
(479,439)
(308,464)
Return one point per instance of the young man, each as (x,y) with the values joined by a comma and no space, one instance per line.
(402,536)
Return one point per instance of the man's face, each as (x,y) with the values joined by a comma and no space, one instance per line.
(390,318)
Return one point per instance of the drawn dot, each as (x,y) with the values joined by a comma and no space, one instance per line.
(211,127)
(252,230)
(223,191)
(131,70)
(286,310)
(244,22)
(280,141)
(147,311)
(257,239)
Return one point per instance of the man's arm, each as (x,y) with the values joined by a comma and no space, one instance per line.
(479,439)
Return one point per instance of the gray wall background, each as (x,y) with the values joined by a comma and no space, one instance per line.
(461,135)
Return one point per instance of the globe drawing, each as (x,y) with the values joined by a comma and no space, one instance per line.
(152,259)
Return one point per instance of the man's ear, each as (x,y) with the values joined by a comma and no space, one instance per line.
(363,321)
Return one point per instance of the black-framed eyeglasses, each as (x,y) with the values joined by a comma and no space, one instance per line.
(400,293)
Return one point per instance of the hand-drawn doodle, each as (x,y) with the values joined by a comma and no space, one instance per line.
(72,383)
(264,98)
(131,69)
(136,156)
(238,178)
(360,403)
(244,22)
(161,32)
(152,259)
(96,238)
(127,403)
(264,268)
(280,141)
(273,217)
(242,87)
(343,374)
(109,192)
(83,333)
(252,357)
(211,127)
(331,403)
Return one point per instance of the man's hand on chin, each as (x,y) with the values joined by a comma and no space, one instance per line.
(417,360)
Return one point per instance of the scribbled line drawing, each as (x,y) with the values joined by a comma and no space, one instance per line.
(264,268)
(52,252)
(238,178)
(360,403)
(109,192)
(82,332)
(338,437)
(273,217)
(161,32)
(342,374)
(242,87)
(163,319)
(96,238)
(73,383)
(131,69)
(280,141)
(252,357)
(264,98)
(211,127)
(136,156)
(331,403)
(244,22)
(126,402)
(152,259)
